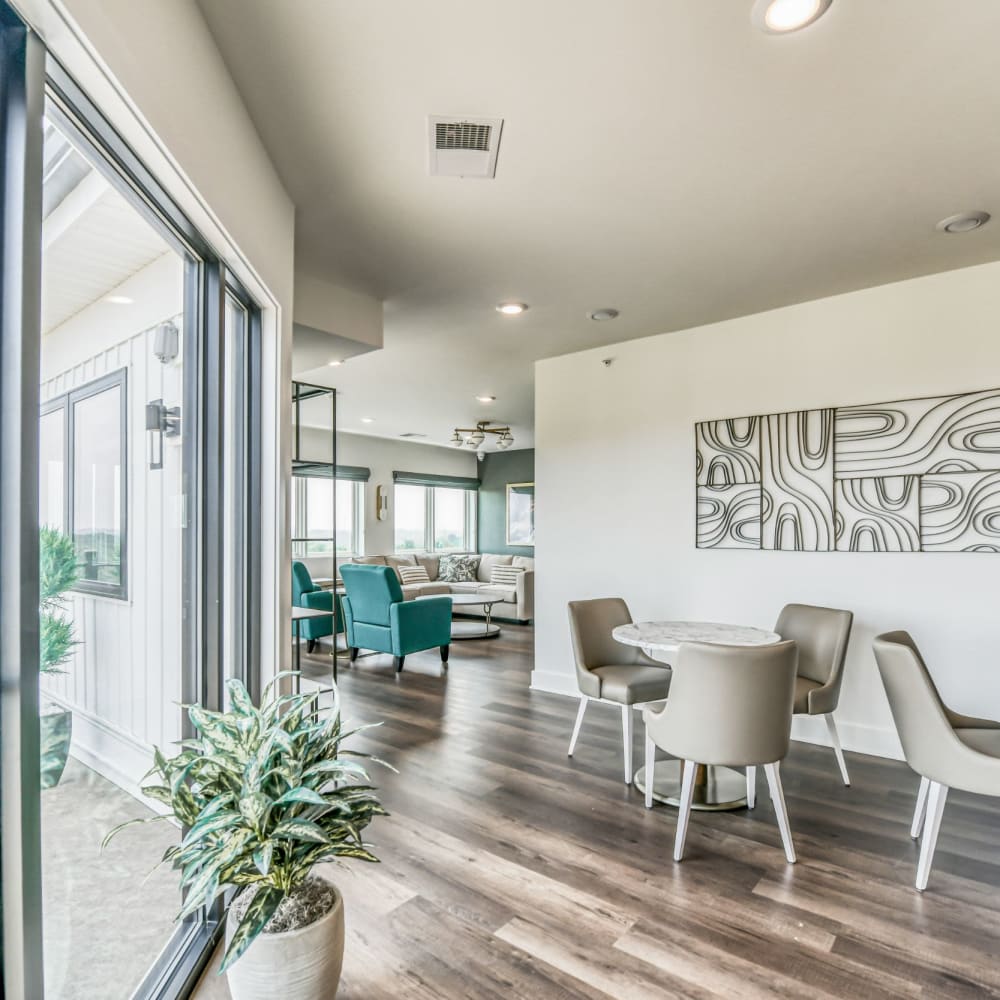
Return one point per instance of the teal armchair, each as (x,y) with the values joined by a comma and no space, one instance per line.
(376,616)
(305,594)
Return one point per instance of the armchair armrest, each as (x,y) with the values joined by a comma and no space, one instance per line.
(318,600)
(526,595)
(420,624)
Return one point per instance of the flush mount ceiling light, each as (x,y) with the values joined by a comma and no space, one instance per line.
(335,364)
(367,420)
(486,399)
(119,300)
(964,222)
(603,315)
(473,437)
(511,308)
(779,17)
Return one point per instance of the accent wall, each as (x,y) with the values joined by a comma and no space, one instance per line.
(496,470)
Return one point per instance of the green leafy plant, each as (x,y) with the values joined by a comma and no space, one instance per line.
(58,572)
(264,794)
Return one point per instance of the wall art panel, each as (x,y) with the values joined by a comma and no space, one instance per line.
(727,452)
(797,481)
(880,514)
(960,512)
(729,516)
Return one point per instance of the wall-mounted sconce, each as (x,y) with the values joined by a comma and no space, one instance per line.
(381,503)
(166,342)
(161,421)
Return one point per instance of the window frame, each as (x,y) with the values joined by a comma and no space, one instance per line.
(67,402)
(429,546)
(300,513)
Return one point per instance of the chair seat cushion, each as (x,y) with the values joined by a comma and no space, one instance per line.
(802,688)
(986,741)
(629,684)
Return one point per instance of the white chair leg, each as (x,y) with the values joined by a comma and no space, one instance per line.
(831,728)
(650,768)
(778,801)
(751,786)
(921,809)
(936,795)
(627,741)
(684,808)
(579,722)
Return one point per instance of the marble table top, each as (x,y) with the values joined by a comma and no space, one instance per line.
(669,635)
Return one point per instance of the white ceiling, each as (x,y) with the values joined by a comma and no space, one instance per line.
(664,158)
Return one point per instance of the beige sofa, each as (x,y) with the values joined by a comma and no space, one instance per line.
(518,602)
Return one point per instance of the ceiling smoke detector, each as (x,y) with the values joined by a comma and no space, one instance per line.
(964,222)
(463,147)
(603,315)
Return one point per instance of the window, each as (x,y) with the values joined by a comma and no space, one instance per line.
(82,479)
(312,516)
(434,519)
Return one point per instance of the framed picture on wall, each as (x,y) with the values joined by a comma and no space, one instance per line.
(521,514)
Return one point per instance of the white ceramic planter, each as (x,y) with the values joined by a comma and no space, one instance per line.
(295,965)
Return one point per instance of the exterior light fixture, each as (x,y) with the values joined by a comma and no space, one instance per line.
(161,421)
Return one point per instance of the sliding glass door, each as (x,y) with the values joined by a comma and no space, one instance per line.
(129,448)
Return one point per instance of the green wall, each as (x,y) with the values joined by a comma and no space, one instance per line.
(495,471)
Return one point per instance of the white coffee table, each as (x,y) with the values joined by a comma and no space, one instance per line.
(470,629)
(716,788)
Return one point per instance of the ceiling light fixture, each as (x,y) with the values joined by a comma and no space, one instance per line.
(473,437)
(486,399)
(336,364)
(367,420)
(964,222)
(779,17)
(603,315)
(119,300)
(511,308)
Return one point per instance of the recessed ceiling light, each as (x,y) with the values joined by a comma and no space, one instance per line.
(486,399)
(964,222)
(602,315)
(367,420)
(511,308)
(119,300)
(335,364)
(778,17)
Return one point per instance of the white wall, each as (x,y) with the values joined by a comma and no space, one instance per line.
(614,473)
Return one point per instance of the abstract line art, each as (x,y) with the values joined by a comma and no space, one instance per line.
(915,475)
(729,517)
(960,512)
(797,481)
(879,514)
(917,436)
(727,452)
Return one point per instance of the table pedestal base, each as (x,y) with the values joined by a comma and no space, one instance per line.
(715,789)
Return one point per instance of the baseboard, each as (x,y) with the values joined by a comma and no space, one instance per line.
(858,738)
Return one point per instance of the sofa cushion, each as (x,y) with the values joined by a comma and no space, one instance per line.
(369,560)
(506,576)
(525,562)
(486,564)
(468,587)
(412,590)
(431,564)
(397,561)
(496,590)
(457,569)
(412,574)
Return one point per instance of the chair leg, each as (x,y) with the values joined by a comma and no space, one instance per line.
(578,724)
(921,810)
(650,768)
(627,741)
(397,662)
(310,645)
(444,653)
(778,801)
(353,653)
(751,786)
(831,728)
(684,808)
(936,795)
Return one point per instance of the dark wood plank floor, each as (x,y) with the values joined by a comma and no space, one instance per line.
(511,870)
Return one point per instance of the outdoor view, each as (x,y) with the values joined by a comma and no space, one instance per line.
(312,510)
(442,509)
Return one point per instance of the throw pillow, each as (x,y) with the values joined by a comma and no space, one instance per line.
(506,576)
(413,574)
(458,569)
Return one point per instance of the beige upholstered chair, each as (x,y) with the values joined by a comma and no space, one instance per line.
(946,749)
(607,670)
(821,635)
(728,705)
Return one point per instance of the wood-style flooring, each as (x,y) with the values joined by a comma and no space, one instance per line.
(510,870)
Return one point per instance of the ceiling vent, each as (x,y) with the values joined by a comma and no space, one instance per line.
(463,147)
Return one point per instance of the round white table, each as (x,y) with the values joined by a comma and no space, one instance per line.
(716,788)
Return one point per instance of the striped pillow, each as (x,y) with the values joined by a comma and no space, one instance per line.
(413,574)
(506,576)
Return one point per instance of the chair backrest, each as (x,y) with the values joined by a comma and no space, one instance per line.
(590,625)
(302,582)
(822,635)
(372,590)
(917,708)
(729,704)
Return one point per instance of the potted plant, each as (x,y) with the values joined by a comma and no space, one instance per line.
(58,572)
(265,794)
